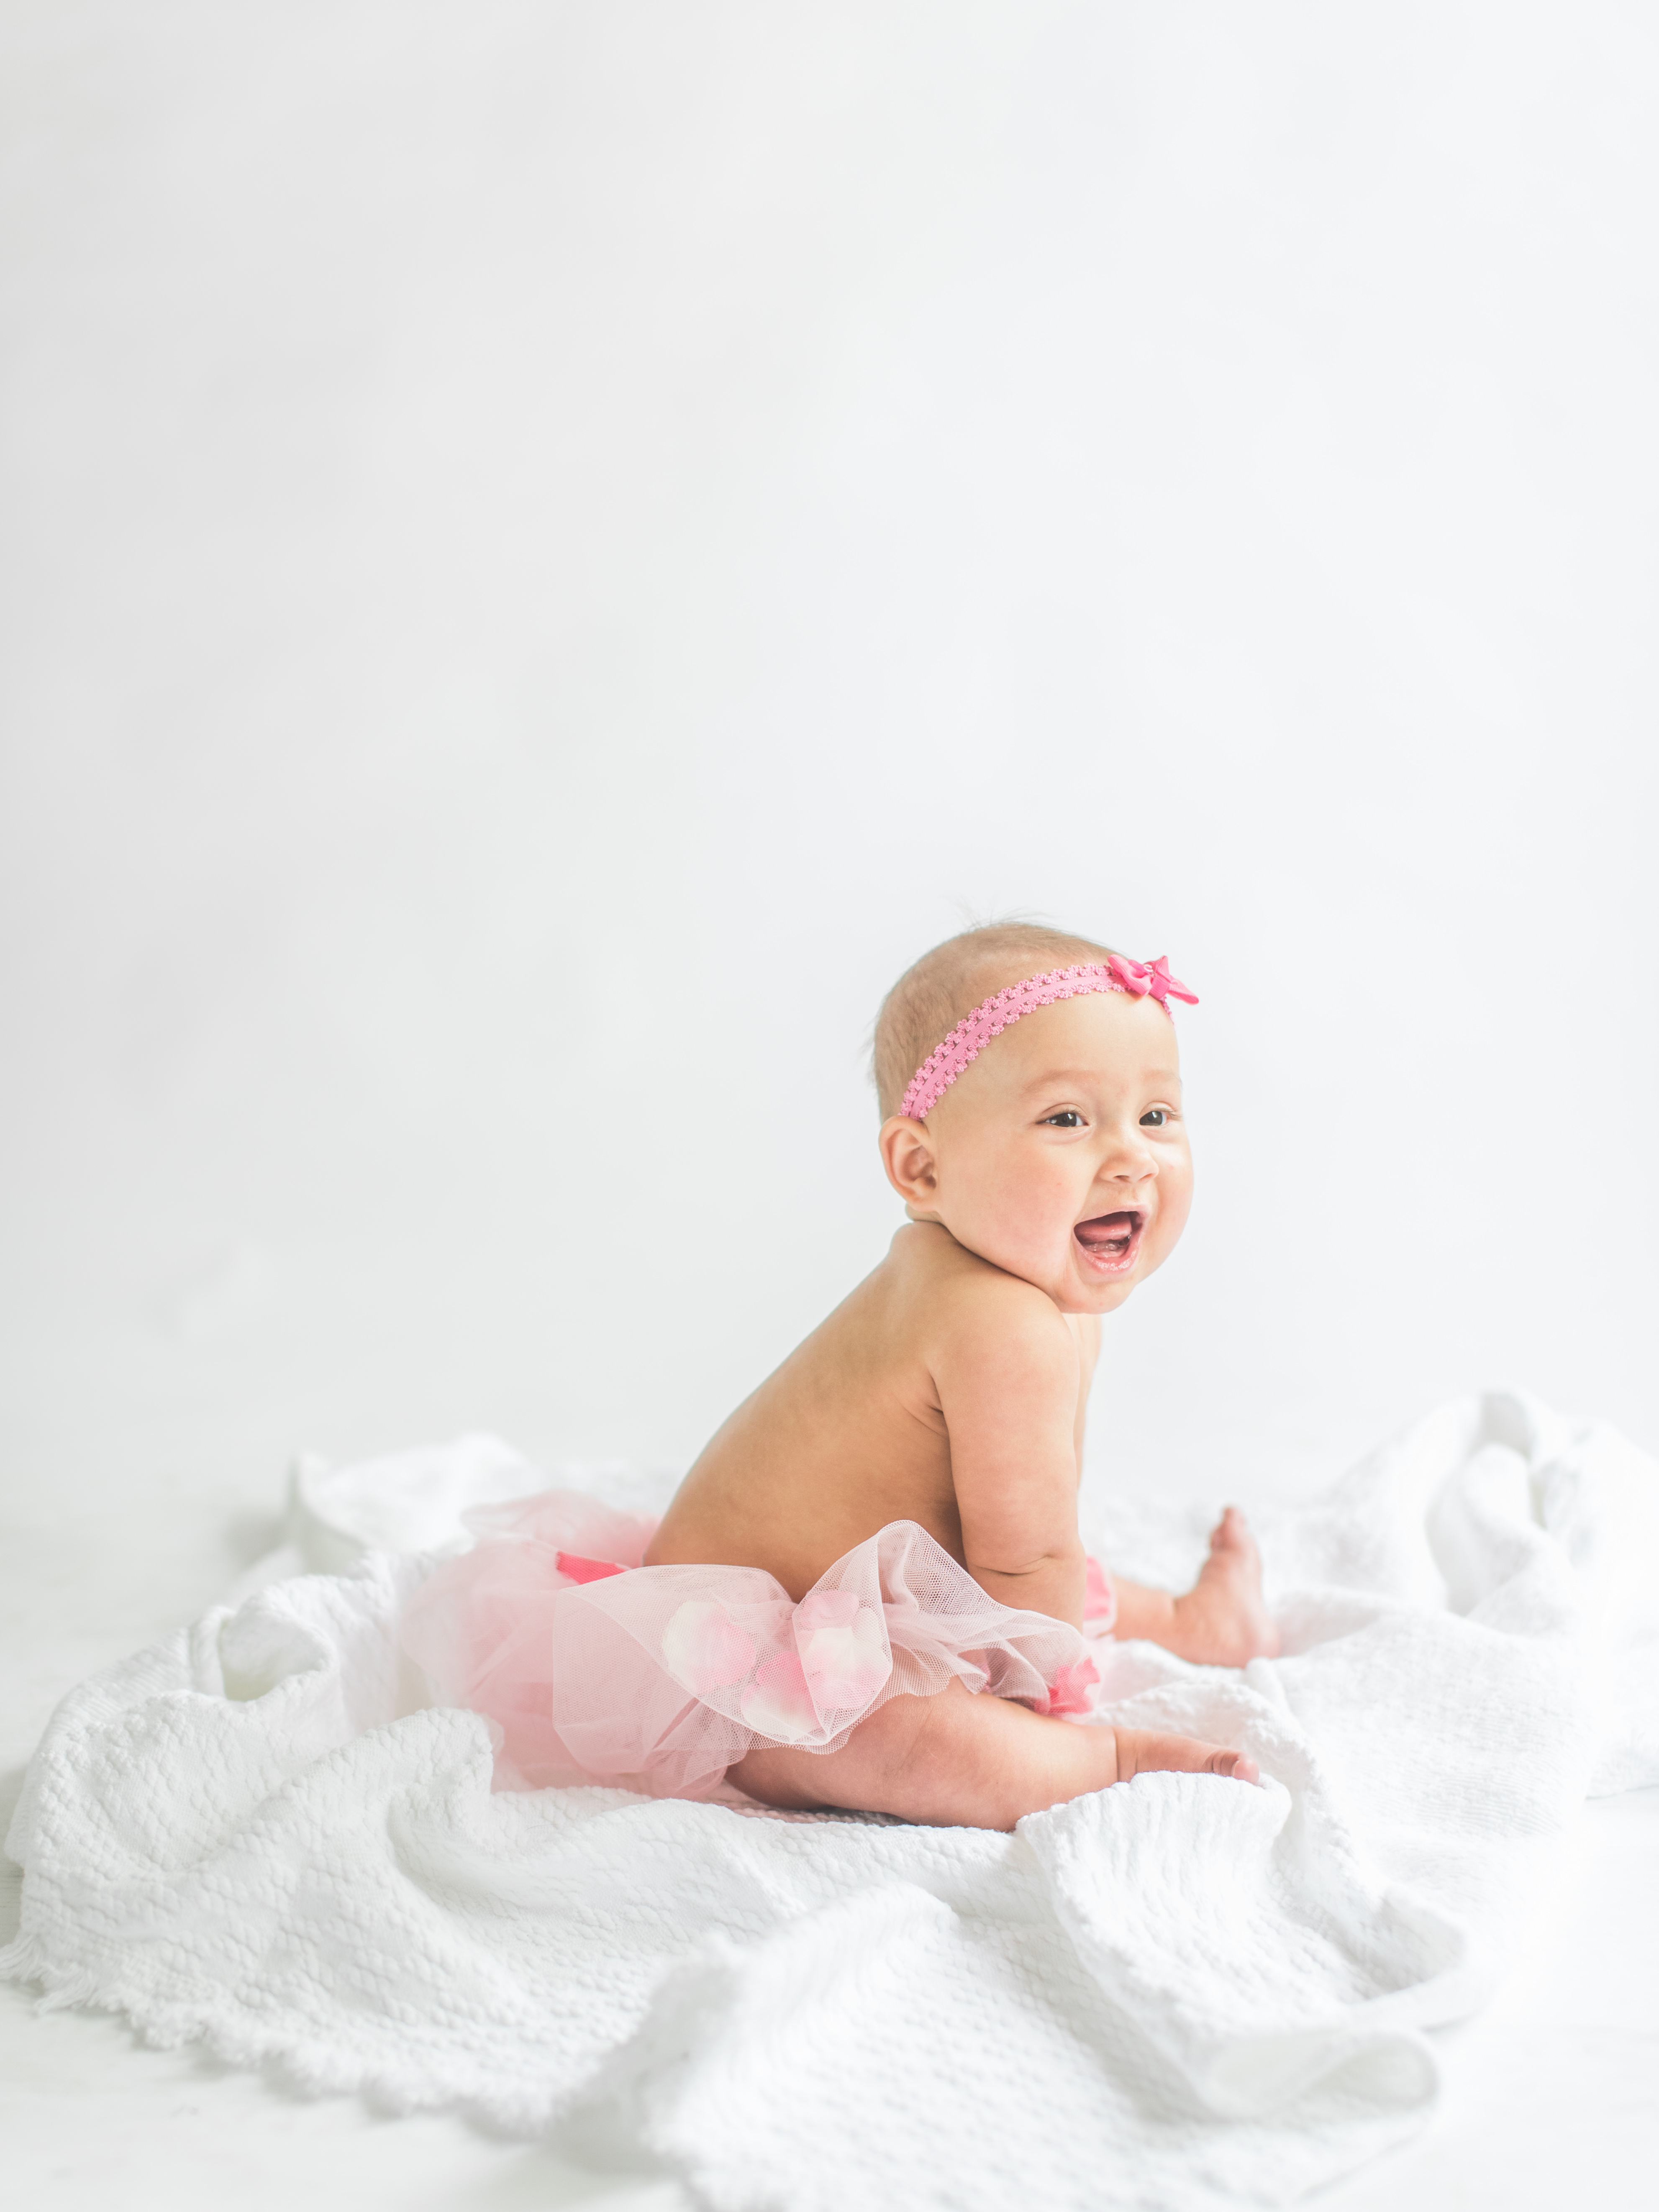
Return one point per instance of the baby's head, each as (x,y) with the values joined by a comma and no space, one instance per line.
(1059,1154)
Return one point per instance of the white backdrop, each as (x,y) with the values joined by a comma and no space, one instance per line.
(549,550)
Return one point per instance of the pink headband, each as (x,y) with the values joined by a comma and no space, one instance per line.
(975,1031)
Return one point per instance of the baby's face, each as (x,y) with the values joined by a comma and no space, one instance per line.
(1061,1155)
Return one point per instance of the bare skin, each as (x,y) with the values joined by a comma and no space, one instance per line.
(1222,1621)
(959,1761)
(949,1388)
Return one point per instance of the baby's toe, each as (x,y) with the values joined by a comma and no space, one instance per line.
(1229,1533)
(1235,1763)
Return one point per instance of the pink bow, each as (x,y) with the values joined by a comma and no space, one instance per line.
(1139,979)
(581,1570)
(1069,1693)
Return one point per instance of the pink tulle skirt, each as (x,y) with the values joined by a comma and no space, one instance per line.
(595,1668)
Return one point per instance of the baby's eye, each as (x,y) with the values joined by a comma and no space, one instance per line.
(1155,1117)
(1067,1118)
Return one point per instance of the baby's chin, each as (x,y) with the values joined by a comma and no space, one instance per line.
(1075,1297)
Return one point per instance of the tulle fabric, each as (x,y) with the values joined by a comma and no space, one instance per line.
(596,1669)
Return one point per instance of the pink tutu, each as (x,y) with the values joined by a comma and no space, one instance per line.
(595,1668)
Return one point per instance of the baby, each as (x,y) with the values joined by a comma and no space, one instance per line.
(870,1592)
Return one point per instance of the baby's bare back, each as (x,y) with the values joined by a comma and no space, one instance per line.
(851,1431)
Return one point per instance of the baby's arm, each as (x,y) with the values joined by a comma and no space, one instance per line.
(1008,1379)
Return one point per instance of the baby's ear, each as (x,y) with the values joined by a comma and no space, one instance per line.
(907,1153)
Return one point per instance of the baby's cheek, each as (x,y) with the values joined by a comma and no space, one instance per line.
(1176,1201)
(1032,1230)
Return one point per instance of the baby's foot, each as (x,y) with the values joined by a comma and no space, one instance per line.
(1222,1621)
(1142,1751)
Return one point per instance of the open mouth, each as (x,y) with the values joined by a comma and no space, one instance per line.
(1110,1241)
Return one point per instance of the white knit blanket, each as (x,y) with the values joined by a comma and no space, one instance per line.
(1179,1992)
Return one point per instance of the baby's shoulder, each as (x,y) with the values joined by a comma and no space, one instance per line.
(966,1308)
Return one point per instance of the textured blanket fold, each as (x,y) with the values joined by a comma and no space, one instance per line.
(1179,1992)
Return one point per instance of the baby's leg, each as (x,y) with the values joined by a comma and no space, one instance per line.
(960,1761)
(1222,1622)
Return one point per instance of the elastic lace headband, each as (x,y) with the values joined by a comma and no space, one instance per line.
(975,1031)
